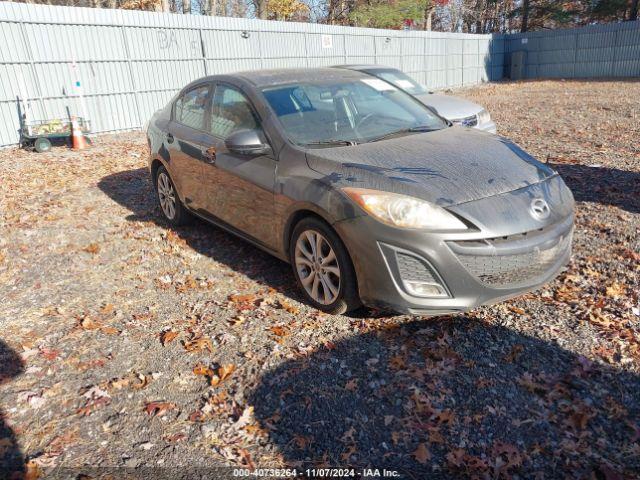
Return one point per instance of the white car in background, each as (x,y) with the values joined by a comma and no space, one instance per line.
(457,110)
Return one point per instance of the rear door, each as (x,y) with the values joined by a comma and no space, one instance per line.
(186,140)
(244,184)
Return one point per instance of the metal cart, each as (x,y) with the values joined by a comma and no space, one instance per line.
(39,133)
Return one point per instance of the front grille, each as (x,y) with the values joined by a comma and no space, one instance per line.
(412,269)
(515,270)
(470,121)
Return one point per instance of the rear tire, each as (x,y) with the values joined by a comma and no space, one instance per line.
(322,267)
(172,208)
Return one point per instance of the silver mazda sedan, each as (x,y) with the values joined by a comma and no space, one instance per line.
(455,109)
(372,197)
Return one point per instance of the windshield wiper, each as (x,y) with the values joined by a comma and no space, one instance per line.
(420,128)
(330,142)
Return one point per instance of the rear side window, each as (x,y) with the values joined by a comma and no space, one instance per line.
(191,107)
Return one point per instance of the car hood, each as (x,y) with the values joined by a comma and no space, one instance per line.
(446,167)
(451,108)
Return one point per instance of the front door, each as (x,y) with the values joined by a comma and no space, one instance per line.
(244,193)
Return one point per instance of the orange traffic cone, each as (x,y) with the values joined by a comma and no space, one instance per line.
(78,142)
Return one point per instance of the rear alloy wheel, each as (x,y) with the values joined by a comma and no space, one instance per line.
(323,267)
(170,203)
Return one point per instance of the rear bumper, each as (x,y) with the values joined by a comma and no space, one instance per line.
(372,247)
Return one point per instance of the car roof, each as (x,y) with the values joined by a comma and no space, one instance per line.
(267,78)
(365,68)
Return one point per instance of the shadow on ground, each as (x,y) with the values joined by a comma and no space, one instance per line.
(11,460)
(133,190)
(608,186)
(451,398)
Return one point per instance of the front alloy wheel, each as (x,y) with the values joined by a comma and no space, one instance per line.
(317,267)
(322,267)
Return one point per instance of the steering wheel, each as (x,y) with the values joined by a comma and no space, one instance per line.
(362,121)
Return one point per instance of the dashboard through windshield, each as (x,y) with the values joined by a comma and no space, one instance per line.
(348,112)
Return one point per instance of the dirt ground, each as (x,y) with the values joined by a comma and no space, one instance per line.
(124,343)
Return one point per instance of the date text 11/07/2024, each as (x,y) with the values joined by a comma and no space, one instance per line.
(316,473)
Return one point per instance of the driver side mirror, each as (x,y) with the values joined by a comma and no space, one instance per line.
(247,142)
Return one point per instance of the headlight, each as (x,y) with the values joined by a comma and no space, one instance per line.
(403,211)
(483,117)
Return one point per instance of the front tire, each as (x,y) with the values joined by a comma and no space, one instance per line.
(170,205)
(323,268)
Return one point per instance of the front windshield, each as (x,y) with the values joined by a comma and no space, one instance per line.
(401,80)
(347,111)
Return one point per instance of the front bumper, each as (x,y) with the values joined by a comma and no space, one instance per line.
(381,282)
(509,253)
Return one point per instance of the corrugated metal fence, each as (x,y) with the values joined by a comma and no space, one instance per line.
(595,51)
(127,64)
(130,63)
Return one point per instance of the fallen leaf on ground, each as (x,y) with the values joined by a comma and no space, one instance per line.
(352,385)
(49,353)
(301,441)
(346,455)
(616,289)
(347,437)
(222,373)
(515,352)
(288,307)
(107,309)
(144,381)
(157,409)
(422,454)
(167,337)
(88,323)
(203,370)
(92,248)
(246,298)
(279,330)
(198,345)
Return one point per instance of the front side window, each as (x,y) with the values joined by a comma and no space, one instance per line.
(230,112)
(401,80)
(191,107)
(348,111)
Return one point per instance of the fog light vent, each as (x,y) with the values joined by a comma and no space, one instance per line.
(422,289)
(418,277)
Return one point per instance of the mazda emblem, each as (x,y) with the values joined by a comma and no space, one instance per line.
(540,209)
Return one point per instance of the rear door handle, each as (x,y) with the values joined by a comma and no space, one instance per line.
(169,138)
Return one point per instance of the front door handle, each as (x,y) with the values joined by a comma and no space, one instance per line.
(210,155)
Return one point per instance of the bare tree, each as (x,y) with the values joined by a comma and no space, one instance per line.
(525,16)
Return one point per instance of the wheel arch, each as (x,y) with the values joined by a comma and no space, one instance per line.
(303,211)
(154,167)
(351,299)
